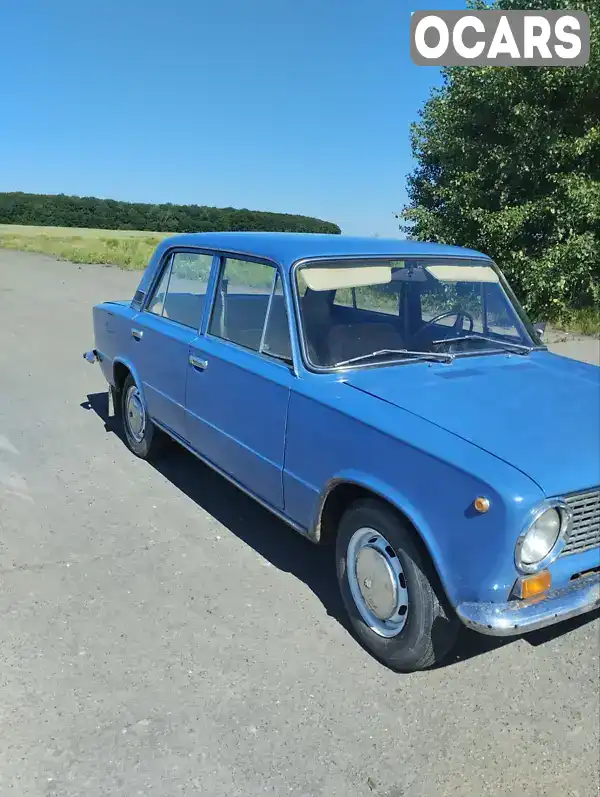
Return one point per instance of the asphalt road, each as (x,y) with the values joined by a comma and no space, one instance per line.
(162,635)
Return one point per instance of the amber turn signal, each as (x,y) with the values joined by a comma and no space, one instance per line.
(530,586)
(481,504)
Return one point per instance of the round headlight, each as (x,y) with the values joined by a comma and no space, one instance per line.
(541,537)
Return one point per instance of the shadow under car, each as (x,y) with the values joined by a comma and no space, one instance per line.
(284,548)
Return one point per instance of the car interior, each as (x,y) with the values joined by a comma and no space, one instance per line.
(185,308)
(240,318)
(402,311)
(335,333)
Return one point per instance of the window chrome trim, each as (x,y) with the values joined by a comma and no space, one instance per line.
(261,345)
(564,510)
(168,270)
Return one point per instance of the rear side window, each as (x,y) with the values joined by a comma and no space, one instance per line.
(181,290)
(249,308)
(138,299)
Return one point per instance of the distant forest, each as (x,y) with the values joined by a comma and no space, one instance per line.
(59,210)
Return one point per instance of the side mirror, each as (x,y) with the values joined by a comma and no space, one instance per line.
(540,328)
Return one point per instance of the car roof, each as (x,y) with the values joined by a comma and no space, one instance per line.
(287,248)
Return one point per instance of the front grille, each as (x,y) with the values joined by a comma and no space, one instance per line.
(585,530)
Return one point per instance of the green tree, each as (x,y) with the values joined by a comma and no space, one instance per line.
(508,162)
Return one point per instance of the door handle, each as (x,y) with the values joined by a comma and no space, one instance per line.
(138,334)
(196,362)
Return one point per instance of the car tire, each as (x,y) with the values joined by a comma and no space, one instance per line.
(405,620)
(141,435)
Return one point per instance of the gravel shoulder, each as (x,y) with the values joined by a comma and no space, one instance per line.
(163,635)
(579,347)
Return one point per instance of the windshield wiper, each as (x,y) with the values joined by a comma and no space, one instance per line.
(421,355)
(517,348)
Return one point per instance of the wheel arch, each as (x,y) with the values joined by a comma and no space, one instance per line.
(120,373)
(121,369)
(346,489)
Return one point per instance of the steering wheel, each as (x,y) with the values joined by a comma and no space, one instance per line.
(458,324)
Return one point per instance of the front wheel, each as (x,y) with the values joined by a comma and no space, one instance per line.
(141,435)
(390,589)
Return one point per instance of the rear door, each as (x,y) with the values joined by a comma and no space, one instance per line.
(240,377)
(162,333)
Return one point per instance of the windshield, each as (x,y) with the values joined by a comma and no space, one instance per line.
(357,313)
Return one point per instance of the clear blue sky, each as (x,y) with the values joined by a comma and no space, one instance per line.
(300,106)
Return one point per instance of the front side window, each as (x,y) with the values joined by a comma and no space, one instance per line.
(364,312)
(250,310)
(181,290)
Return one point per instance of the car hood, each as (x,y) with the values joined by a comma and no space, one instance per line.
(539,413)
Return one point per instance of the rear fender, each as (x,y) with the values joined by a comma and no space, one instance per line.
(132,370)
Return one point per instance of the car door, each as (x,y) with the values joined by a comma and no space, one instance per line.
(240,377)
(162,332)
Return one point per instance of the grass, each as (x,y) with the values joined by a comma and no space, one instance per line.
(128,249)
(585,321)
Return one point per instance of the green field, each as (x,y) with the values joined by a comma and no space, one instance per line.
(129,249)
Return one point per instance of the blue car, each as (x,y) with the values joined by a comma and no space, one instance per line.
(387,397)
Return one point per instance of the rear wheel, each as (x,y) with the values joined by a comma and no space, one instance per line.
(141,435)
(390,589)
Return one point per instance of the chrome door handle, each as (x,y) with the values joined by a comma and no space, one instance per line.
(138,334)
(196,362)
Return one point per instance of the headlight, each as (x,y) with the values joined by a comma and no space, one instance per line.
(540,539)
(543,539)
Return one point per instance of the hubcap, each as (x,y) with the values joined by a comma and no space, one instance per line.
(135,414)
(377,582)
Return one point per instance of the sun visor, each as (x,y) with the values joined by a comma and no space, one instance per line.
(457,273)
(332,279)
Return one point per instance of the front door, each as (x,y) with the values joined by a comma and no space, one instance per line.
(239,379)
(162,333)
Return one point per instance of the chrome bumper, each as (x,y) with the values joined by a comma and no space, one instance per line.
(521,616)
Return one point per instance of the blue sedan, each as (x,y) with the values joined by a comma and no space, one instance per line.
(388,397)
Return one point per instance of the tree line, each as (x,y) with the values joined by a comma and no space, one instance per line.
(59,210)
